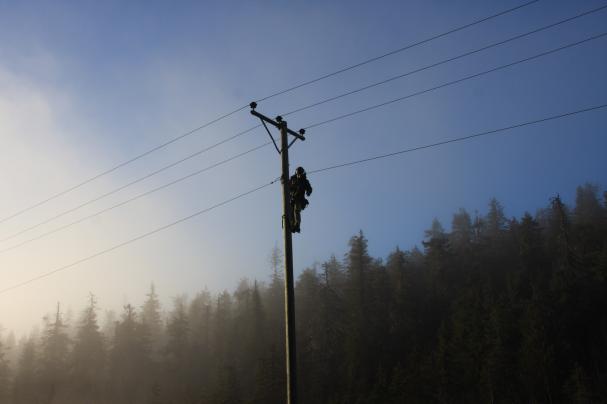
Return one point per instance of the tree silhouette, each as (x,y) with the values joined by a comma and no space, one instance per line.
(492,310)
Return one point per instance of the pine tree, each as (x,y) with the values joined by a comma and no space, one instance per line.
(462,232)
(4,374)
(309,333)
(88,356)
(129,359)
(436,245)
(259,320)
(10,348)
(178,361)
(358,344)
(54,357)
(401,340)
(436,231)
(222,327)
(333,274)
(26,384)
(274,302)
(438,274)
(151,319)
(333,322)
(200,320)
(178,331)
(495,222)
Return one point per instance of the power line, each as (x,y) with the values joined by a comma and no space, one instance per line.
(107,250)
(451,59)
(561,48)
(503,129)
(120,188)
(459,139)
(124,163)
(393,52)
(178,180)
(226,115)
(450,83)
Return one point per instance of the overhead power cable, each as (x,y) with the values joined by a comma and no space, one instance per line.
(400,152)
(444,61)
(141,195)
(120,188)
(450,83)
(458,139)
(226,115)
(120,165)
(132,240)
(395,51)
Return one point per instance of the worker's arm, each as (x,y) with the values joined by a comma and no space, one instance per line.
(308,188)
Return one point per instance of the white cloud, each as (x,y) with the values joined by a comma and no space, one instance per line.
(37,160)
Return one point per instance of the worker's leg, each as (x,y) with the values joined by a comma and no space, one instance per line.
(296,217)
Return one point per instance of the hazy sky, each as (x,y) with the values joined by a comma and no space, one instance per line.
(87,85)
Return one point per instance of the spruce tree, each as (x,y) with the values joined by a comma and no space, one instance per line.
(358,344)
(495,222)
(178,359)
(129,359)
(88,356)
(4,374)
(462,232)
(26,386)
(54,357)
(151,319)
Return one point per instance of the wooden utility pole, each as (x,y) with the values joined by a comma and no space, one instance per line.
(291,350)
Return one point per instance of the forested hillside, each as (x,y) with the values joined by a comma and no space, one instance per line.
(496,310)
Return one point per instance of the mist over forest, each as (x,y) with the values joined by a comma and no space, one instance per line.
(497,309)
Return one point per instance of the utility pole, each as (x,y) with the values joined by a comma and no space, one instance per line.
(291,350)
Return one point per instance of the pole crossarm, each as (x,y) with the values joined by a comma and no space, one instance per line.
(276,123)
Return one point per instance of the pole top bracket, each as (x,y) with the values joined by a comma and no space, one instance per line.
(278,122)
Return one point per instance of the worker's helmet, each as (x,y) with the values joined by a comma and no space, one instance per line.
(300,171)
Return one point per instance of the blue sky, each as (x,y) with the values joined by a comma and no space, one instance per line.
(84,86)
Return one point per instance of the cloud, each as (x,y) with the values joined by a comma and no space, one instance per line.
(38,159)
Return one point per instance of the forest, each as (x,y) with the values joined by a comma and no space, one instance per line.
(495,310)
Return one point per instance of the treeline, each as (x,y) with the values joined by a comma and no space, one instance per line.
(497,310)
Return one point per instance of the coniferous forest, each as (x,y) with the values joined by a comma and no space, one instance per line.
(496,310)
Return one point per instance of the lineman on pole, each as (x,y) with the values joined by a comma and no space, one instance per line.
(300,188)
(287,210)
